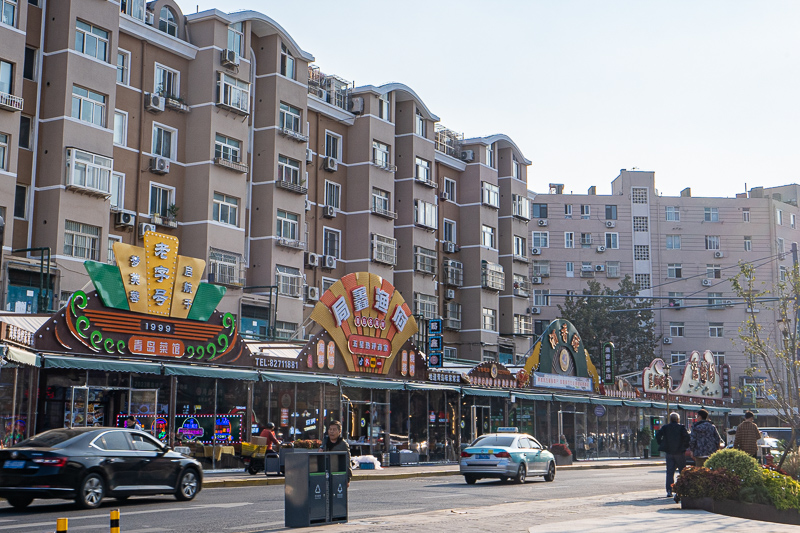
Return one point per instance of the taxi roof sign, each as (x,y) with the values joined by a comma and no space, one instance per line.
(508,430)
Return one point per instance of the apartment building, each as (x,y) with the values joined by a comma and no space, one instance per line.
(682,251)
(121,117)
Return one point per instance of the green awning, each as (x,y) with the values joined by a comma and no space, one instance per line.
(18,355)
(688,407)
(366,383)
(571,399)
(637,403)
(109,365)
(292,377)
(605,401)
(712,409)
(432,386)
(210,372)
(531,396)
(662,405)
(499,393)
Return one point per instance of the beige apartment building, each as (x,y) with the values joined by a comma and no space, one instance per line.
(681,250)
(121,117)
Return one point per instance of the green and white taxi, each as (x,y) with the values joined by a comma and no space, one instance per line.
(506,454)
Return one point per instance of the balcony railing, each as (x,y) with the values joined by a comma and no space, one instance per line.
(291,243)
(493,279)
(453,274)
(452,323)
(10,102)
(160,220)
(329,87)
(294,135)
(384,212)
(427,182)
(388,167)
(448,142)
(232,165)
(292,186)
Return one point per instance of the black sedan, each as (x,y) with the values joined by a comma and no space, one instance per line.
(88,464)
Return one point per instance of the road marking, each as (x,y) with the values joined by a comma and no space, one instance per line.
(221,505)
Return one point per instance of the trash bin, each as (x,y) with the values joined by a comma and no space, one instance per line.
(316,489)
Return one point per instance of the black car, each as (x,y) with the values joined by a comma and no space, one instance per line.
(88,464)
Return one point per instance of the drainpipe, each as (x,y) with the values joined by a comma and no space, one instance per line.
(35,144)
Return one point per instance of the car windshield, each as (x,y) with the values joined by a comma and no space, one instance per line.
(49,439)
(494,440)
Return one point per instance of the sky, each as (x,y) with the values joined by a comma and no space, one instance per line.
(704,93)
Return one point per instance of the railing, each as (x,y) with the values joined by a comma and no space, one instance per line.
(384,212)
(295,135)
(11,102)
(163,221)
(452,323)
(233,165)
(448,142)
(291,243)
(453,275)
(291,186)
(384,165)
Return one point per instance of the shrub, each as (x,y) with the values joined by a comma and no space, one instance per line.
(755,494)
(560,449)
(695,482)
(736,462)
(644,436)
(784,492)
(792,464)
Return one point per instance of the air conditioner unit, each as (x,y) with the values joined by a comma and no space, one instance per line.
(328,261)
(601,249)
(705,282)
(536,251)
(587,268)
(536,310)
(610,223)
(149,18)
(719,255)
(312,293)
(144,228)
(328,211)
(159,165)
(449,294)
(599,268)
(445,196)
(449,247)
(536,280)
(229,58)
(468,155)
(667,340)
(312,259)
(154,102)
(729,303)
(123,219)
(309,155)
(330,164)
(308,204)
(542,222)
(356,105)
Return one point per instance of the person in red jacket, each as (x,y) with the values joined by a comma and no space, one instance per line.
(269,434)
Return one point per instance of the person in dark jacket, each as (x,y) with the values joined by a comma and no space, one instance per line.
(335,443)
(673,440)
(704,439)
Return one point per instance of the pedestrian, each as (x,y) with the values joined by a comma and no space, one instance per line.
(335,443)
(747,435)
(704,439)
(132,423)
(673,440)
(269,434)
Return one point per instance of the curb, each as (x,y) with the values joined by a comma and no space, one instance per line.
(257,480)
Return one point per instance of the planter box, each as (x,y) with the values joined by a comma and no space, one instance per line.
(562,460)
(749,511)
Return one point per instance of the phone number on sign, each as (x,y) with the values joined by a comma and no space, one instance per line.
(277,363)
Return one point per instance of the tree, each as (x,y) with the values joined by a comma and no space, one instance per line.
(772,347)
(602,314)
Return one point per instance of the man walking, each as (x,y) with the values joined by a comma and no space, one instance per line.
(747,435)
(673,440)
(704,439)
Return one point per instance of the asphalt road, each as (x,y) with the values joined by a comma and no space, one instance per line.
(254,509)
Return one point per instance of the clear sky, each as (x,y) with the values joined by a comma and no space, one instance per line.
(704,93)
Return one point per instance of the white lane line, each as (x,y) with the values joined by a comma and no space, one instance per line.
(221,505)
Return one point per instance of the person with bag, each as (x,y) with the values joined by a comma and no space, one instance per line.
(704,439)
(673,440)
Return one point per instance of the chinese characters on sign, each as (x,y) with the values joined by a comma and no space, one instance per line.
(608,362)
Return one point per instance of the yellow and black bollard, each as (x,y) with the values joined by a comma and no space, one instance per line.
(115,521)
(61,525)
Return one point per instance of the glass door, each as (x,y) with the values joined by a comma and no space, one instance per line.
(76,414)
(143,406)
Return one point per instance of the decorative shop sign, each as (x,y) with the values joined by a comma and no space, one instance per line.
(489,374)
(443,376)
(207,429)
(608,363)
(725,371)
(15,335)
(555,381)
(599,410)
(560,352)
(700,378)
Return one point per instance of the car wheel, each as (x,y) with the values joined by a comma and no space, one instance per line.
(19,502)
(91,492)
(470,479)
(187,486)
(521,473)
(551,472)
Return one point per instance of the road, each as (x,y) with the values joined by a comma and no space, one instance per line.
(255,509)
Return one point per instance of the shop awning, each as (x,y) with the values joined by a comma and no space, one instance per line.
(210,372)
(364,383)
(485,392)
(571,399)
(109,365)
(637,403)
(291,377)
(605,401)
(531,396)
(18,355)
(688,407)
(713,409)
(432,386)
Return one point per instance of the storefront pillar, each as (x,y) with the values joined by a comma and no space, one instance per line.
(459,418)
(213,439)
(14,406)
(616,432)
(33,403)
(248,413)
(173,407)
(505,412)
(387,424)
(428,425)
(550,425)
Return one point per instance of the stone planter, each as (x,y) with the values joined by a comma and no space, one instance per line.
(563,460)
(749,511)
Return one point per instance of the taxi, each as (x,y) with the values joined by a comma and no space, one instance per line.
(506,455)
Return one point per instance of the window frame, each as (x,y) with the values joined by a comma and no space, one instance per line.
(84,100)
(232,207)
(158,84)
(333,194)
(24,203)
(611,212)
(227,148)
(287,227)
(91,34)
(672,213)
(450,188)
(329,147)
(488,233)
(117,191)
(160,210)
(288,65)
(165,24)
(125,68)
(173,142)
(490,195)
(569,239)
(124,132)
(92,252)
(426,214)
(337,241)
(612,240)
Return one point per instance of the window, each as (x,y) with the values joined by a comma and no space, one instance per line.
(453,319)
(333,145)
(160,199)
(715,300)
(539,210)
(233,93)
(673,213)
(676,329)
(541,297)
(490,155)
(781,246)
(426,305)
(675,299)
(569,239)
(88,171)
(710,214)
(333,192)
(586,212)
(612,241)
(29,65)
(289,118)
(288,170)
(287,62)
(638,195)
(227,148)
(492,276)
(91,40)
(541,239)
(21,202)
(782,273)
(236,38)
(167,23)
(515,169)
(641,252)
(586,240)
(380,154)
(719,358)
(716,329)
(134,8)
(613,269)
(425,214)
(640,224)
(713,272)
(7,15)
(225,209)
(674,270)
(712,242)
(673,242)
(490,194)
(521,285)
(779,217)
(285,330)
(167,82)
(748,243)
(164,141)
(450,231)
(611,212)
(489,319)
(519,246)
(288,225)
(793,221)
(81,240)
(111,260)
(424,260)
(4,151)
(678,359)
(567,211)
(746,214)
(523,325)
(450,189)
(117,198)
(487,236)
(289,281)
(120,128)
(331,242)
(6,77)
(521,206)
(541,269)
(384,250)
(327,283)
(382,202)
(423,170)
(383,107)
(643,281)
(570,269)
(419,124)
(88,106)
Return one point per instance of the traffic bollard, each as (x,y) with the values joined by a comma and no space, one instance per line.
(61,525)
(115,521)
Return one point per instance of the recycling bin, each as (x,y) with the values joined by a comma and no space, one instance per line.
(338,486)
(315,490)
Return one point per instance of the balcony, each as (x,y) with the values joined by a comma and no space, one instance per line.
(329,88)
(448,142)
(232,165)
(452,323)
(384,165)
(177,104)
(9,102)
(493,277)
(299,188)
(295,244)
(160,220)
(522,288)
(427,182)
(385,213)
(453,273)
(294,135)
(520,258)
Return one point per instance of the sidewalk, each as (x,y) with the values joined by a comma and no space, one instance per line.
(243,479)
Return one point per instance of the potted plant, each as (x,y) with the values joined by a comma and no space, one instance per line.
(562,454)
(643,438)
(172,212)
